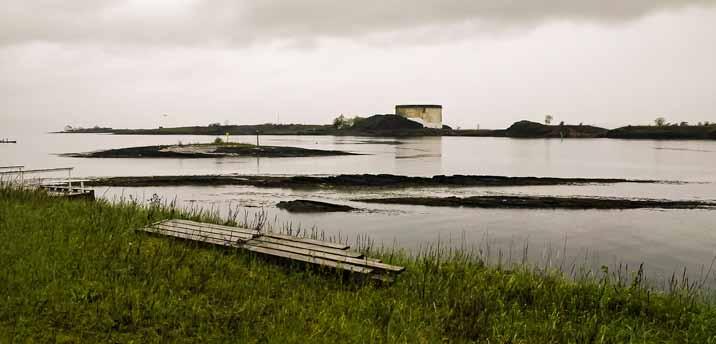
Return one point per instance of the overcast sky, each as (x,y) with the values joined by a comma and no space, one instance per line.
(126,63)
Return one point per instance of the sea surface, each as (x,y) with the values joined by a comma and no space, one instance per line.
(666,241)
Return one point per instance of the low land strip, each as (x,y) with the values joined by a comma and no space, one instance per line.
(353,180)
(543,202)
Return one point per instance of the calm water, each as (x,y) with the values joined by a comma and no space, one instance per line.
(666,240)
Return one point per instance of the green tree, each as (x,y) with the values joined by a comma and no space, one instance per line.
(339,122)
(660,121)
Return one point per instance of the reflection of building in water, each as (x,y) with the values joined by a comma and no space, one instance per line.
(419,156)
(430,116)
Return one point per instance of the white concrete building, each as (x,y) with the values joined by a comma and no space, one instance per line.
(430,116)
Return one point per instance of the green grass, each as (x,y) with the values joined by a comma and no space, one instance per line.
(77,272)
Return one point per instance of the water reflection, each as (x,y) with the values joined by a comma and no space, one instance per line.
(422,156)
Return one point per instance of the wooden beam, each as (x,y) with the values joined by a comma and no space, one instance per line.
(307,240)
(308,259)
(227,237)
(213,226)
(195,237)
(341,259)
(311,247)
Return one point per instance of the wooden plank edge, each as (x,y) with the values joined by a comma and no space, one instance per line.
(228,238)
(308,259)
(205,229)
(308,246)
(307,240)
(342,259)
(215,226)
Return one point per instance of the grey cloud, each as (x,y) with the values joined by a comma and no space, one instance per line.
(240,22)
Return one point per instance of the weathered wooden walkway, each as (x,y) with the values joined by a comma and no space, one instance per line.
(56,187)
(305,250)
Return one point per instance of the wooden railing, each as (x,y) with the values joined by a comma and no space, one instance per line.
(19,176)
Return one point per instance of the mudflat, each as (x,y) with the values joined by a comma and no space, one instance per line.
(354,180)
(543,202)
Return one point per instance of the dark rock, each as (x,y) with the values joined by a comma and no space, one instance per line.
(527,129)
(306,206)
(386,122)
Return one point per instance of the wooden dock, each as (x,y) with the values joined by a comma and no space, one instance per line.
(69,192)
(315,252)
(56,187)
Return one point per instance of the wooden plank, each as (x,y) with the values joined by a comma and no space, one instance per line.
(207,229)
(220,236)
(307,246)
(341,259)
(195,237)
(308,241)
(165,228)
(214,226)
(264,250)
(234,238)
(308,259)
(284,246)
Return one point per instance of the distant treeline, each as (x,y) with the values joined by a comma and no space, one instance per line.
(396,126)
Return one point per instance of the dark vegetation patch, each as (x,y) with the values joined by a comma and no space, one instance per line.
(207,151)
(527,129)
(353,180)
(385,122)
(542,202)
(666,132)
(308,206)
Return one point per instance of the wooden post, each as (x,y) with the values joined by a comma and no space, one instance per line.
(257,138)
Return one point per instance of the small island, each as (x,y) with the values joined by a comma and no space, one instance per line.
(218,149)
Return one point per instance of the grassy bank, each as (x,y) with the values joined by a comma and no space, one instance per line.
(77,272)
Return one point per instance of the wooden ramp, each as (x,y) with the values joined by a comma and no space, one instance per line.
(305,250)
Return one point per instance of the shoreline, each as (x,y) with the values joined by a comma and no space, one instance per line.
(353,180)
(404,128)
(543,202)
